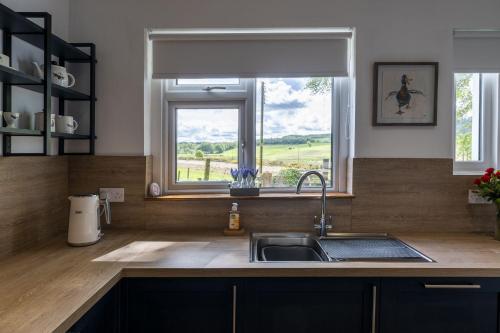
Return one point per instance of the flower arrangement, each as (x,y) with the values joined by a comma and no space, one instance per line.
(488,186)
(244,182)
(244,177)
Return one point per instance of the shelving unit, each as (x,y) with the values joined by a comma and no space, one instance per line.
(18,24)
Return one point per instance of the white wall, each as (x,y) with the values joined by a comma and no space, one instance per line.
(387,30)
(23,54)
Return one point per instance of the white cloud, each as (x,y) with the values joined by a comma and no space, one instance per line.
(291,109)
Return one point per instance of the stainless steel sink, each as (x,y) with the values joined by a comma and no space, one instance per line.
(296,247)
(285,247)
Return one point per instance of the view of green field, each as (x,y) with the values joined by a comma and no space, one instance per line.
(277,158)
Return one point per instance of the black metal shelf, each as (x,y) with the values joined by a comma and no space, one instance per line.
(9,75)
(58,91)
(67,136)
(18,78)
(20,25)
(60,48)
(16,23)
(20,131)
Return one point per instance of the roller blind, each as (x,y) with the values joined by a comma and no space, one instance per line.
(476,51)
(250,53)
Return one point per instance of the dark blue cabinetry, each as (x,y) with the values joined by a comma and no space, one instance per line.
(308,305)
(439,305)
(297,305)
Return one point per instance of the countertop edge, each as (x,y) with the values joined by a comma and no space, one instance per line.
(88,304)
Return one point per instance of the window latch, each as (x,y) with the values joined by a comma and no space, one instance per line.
(208,88)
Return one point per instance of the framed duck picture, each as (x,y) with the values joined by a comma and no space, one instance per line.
(405,94)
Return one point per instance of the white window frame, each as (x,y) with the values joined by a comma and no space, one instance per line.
(488,136)
(244,95)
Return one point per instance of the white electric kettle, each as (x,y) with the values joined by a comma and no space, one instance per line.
(84,219)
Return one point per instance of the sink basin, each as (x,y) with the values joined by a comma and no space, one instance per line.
(303,247)
(285,247)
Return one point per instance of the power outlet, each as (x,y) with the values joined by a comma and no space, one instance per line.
(475,198)
(114,194)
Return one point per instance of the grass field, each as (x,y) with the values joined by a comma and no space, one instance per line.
(276,157)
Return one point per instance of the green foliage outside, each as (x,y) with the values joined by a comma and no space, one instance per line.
(319,85)
(463,93)
(289,177)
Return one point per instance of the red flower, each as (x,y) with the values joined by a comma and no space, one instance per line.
(477,181)
(497,174)
(490,170)
(486,178)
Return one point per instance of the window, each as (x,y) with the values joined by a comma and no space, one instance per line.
(282,126)
(294,130)
(204,138)
(475,116)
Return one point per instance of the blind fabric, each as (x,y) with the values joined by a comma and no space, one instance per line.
(476,51)
(250,55)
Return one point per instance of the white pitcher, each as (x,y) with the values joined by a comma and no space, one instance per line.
(59,75)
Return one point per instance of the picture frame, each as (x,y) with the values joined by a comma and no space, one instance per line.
(405,93)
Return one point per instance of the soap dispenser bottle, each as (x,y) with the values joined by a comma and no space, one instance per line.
(234,217)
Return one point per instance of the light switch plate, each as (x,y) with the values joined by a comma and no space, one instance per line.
(114,194)
(475,198)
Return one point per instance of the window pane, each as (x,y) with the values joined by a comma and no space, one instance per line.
(294,132)
(207,141)
(468,117)
(223,81)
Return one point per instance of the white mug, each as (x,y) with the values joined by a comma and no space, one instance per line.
(4,60)
(66,124)
(39,122)
(12,119)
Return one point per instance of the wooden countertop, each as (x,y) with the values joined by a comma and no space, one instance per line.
(48,288)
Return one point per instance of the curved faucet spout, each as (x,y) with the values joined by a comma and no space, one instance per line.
(322,222)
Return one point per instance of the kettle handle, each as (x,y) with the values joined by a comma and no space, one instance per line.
(107,209)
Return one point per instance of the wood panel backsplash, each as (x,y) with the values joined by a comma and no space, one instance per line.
(414,194)
(33,201)
(391,195)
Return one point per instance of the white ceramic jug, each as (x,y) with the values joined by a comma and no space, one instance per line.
(59,75)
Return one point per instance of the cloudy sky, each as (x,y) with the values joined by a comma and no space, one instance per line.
(290,108)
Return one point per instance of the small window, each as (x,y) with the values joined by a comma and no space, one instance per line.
(475,132)
(294,130)
(468,117)
(205,144)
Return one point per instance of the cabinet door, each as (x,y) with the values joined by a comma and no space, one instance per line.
(178,305)
(439,305)
(103,317)
(308,305)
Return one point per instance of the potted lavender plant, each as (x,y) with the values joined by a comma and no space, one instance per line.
(244,182)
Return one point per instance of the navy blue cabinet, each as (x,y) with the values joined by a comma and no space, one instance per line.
(439,305)
(308,305)
(297,305)
(177,305)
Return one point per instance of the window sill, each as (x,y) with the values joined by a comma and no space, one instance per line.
(262,196)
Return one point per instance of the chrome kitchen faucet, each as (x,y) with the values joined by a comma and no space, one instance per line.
(322,226)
